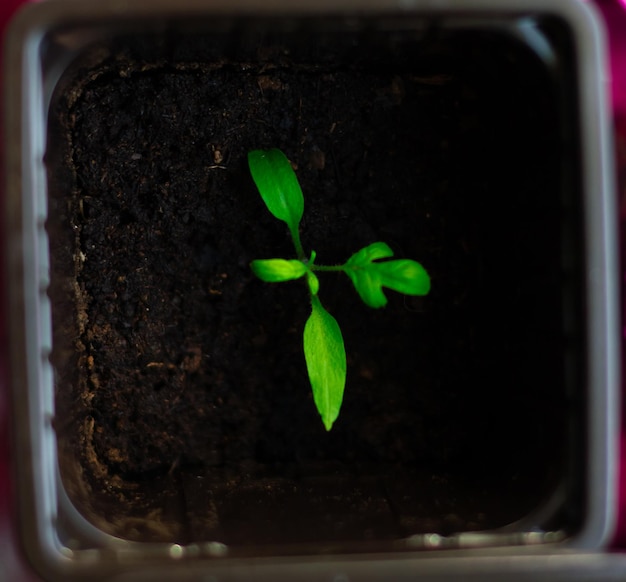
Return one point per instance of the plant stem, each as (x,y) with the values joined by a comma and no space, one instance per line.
(328,268)
(295,236)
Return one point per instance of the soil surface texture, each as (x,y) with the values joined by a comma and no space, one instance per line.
(184,411)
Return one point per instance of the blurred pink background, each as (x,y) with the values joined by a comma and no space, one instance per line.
(11,567)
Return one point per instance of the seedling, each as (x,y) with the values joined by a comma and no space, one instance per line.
(324,350)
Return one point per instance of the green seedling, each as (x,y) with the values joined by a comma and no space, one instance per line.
(369,270)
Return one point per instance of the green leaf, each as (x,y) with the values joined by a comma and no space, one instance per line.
(369,277)
(277,270)
(313,282)
(311,277)
(405,276)
(368,286)
(278,185)
(326,361)
(377,250)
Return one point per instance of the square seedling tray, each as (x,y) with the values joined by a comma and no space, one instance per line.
(163,412)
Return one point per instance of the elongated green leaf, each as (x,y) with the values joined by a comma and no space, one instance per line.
(369,277)
(326,362)
(278,185)
(277,270)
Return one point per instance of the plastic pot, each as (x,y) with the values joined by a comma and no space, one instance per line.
(498,418)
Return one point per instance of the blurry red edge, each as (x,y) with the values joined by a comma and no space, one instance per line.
(7,8)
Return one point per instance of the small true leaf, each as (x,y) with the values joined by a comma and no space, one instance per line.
(326,361)
(404,275)
(377,250)
(369,276)
(313,282)
(278,185)
(311,277)
(368,286)
(277,270)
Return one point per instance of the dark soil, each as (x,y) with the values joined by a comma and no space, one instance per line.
(184,410)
